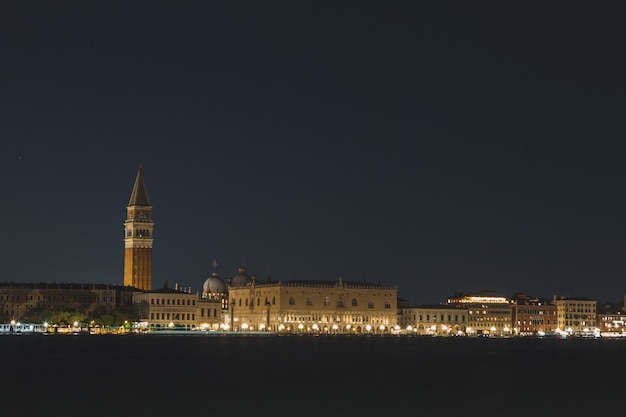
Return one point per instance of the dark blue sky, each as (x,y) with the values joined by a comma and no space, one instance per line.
(436,146)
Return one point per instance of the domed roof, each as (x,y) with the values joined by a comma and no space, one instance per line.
(242,278)
(214,284)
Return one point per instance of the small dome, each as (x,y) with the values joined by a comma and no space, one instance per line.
(242,278)
(214,284)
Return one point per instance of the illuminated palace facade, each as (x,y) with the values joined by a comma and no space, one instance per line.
(310,306)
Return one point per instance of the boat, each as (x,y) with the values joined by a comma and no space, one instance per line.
(22,328)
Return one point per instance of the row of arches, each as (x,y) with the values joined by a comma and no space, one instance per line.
(309,302)
(138,233)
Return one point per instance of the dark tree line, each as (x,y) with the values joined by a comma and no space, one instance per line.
(117,317)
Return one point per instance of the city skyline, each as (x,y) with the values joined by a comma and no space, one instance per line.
(438,148)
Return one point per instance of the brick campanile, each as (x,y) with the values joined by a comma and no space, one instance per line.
(138,234)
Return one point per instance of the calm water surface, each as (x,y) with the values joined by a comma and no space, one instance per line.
(112,375)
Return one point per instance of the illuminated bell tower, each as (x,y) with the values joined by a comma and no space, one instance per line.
(138,233)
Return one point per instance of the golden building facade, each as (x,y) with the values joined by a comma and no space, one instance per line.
(576,315)
(488,314)
(166,307)
(180,309)
(433,320)
(303,306)
(138,237)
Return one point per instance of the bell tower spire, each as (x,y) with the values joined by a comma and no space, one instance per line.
(138,236)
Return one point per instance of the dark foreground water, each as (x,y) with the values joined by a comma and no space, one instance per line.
(147,375)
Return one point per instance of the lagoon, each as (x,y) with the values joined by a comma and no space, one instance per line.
(302,375)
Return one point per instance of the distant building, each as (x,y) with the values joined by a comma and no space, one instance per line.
(310,306)
(214,302)
(138,237)
(179,308)
(576,315)
(489,314)
(611,323)
(433,320)
(533,316)
(166,307)
(16,299)
(214,288)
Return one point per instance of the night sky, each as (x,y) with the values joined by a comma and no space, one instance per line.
(437,146)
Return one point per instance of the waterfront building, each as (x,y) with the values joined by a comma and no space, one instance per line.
(166,307)
(213,303)
(612,324)
(310,306)
(533,316)
(489,314)
(16,299)
(214,288)
(433,320)
(610,319)
(576,315)
(210,315)
(138,237)
(179,308)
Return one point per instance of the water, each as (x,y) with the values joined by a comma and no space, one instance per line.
(112,375)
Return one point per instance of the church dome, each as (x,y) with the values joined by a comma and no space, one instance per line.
(214,285)
(242,278)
